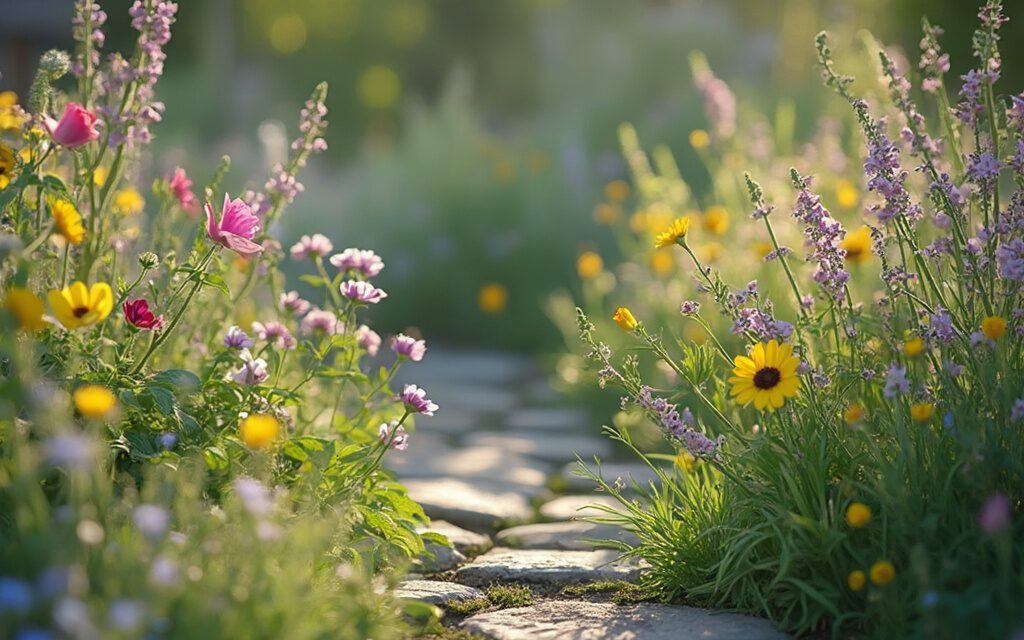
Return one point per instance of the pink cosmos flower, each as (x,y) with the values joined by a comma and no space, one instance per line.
(275,333)
(316,245)
(137,313)
(362,291)
(252,370)
(318,320)
(181,186)
(400,439)
(76,127)
(236,228)
(408,347)
(235,338)
(362,260)
(416,401)
(368,339)
(292,302)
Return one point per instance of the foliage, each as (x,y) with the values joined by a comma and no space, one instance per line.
(882,496)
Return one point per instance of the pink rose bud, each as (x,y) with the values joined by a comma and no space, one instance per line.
(76,127)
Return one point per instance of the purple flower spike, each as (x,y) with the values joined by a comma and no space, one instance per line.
(416,400)
(407,347)
(361,291)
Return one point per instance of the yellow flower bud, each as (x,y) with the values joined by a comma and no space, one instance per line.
(858,515)
(624,318)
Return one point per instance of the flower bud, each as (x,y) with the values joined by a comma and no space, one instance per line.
(148,260)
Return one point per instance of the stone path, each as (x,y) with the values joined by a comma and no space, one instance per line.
(483,469)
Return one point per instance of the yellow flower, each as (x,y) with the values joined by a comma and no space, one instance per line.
(922,411)
(762,249)
(853,414)
(624,318)
(710,252)
(589,265)
(858,515)
(675,232)
(699,139)
(616,190)
(605,213)
(716,220)
(994,327)
(768,376)
(913,347)
(10,120)
(99,176)
(7,162)
(4,181)
(26,307)
(686,461)
(856,580)
(68,221)
(259,431)
(662,262)
(857,245)
(78,306)
(128,201)
(94,401)
(492,298)
(846,194)
(882,572)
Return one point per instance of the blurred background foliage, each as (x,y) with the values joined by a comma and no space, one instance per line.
(470,142)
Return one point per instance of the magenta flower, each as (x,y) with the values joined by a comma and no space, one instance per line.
(293,303)
(364,261)
(320,321)
(400,439)
(361,291)
(368,339)
(317,245)
(994,516)
(181,186)
(76,127)
(236,228)
(275,333)
(137,313)
(235,338)
(406,347)
(416,401)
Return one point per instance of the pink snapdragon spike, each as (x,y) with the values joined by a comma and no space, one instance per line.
(137,313)
(406,347)
(181,186)
(236,228)
(76,127)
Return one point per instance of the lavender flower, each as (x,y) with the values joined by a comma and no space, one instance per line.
(251,371)
(235,338)
(406,347)
(1017,412)
(293,303)
(823,234)
(679,426)
(756,322)
(983,169)
(896,381)
(994,516)
(151,520)
(71,451)
(689,308)
(368,339)
(971,103)
(940,326)
(886,178)
(362,292)
(1010,259)
(364,261)
(400,439)
(719,102)
(416,401)
(320,321)
(317,245)
(254,496)
(275,333)
(94,38)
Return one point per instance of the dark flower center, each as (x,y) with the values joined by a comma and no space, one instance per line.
(80,311)
(854,253)
(767,378)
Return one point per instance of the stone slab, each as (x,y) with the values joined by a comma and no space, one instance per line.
(569,507)
(553,447)
(554,419)
(477,506)
(466,541)
(438,558)
(572,535)
(557,619)
(541,566)
(475,463)
(436,591)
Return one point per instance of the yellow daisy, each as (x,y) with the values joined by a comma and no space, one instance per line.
(589,265)
(767,377)
(129,201)
(94,401)
(26,307)
(79,306)
(492,298)
(258,431)
(858,245)
(68,221)
(6,161)
(716,220)
(673,234)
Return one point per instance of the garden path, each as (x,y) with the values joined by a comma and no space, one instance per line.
(486,468)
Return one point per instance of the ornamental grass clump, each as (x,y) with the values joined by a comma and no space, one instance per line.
(189,447)
(846,432)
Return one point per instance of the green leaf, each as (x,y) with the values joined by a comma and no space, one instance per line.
(162,398)
(178,380)
(217,282)
(316,281)
(215,458)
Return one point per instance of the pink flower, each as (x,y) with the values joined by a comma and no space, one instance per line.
(236,228)
(368,339)
(362,260)
(316,245)
(76,127)
(292,302)
(407,347)
(320,321)
(275,333)
(362,292)
(182,188)
(399,439)
(137,313)
(416,401)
